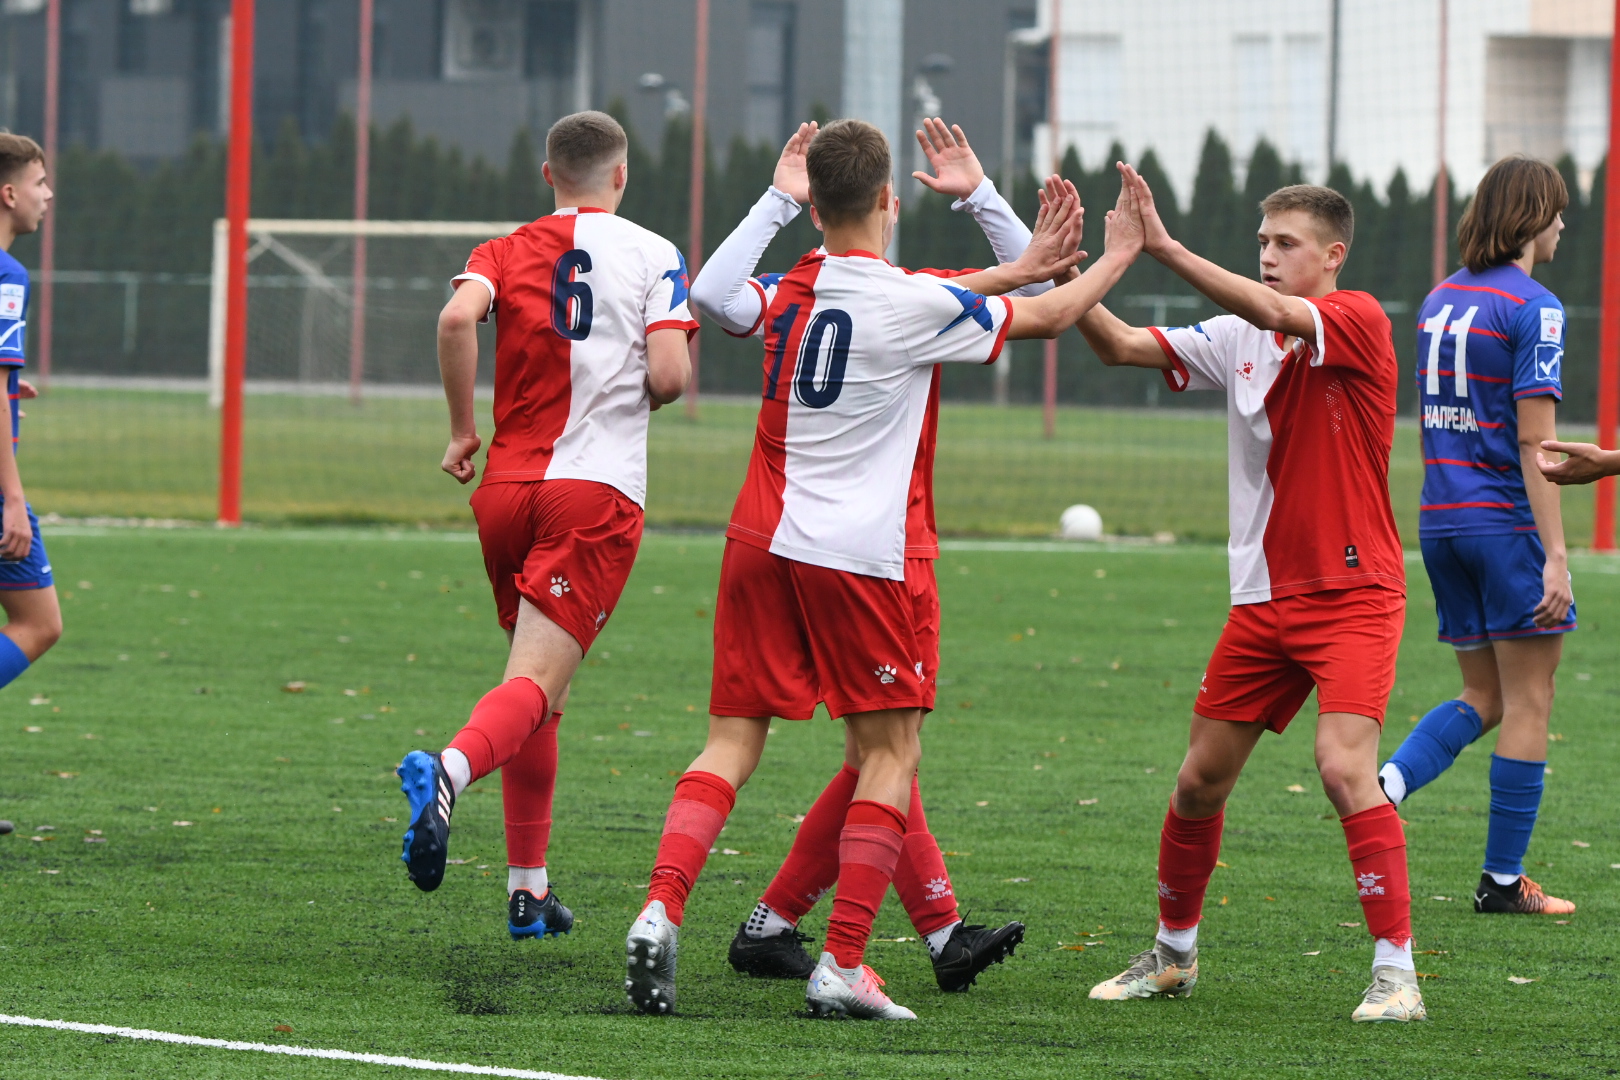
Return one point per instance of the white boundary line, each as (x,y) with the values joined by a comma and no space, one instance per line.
(290,1051)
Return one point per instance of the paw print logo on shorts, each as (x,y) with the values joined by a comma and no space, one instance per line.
(559,585)
(885,674)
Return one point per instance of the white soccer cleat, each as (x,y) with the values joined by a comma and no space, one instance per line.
(834,992)
(650,961)
(1393,996)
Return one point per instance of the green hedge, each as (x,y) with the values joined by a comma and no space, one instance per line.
(113,216)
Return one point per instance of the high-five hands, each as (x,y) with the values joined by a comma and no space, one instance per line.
(1125,229)
(1054,249)
(1155,237)
(1053,192)
(791,175)
(957,171)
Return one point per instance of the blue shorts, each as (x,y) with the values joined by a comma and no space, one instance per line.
(32,571)
(1486,588)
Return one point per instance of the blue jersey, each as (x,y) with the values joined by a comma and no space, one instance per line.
(1485,342)
(13,328)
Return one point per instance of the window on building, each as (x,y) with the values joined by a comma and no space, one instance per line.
(770,72)
(1089,92)
(1526,96)
(1251,56)
(484,39)
(552,41)
(1307,75)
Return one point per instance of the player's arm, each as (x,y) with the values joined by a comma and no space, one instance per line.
(1118,343)
(1586,462)
(1537,426)
(458,369)
(669,365)
(1048,315)
(1244,297)
(1053,251)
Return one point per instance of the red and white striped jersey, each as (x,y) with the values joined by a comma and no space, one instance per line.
(574,296)
(1309,432)
(850,345)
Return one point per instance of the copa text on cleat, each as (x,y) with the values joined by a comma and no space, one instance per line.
(432,798)
(650,950)
(527,917)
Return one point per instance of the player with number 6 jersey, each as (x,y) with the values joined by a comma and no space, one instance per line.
(591,333)
(1490,359)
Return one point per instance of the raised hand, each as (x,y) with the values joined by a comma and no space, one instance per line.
(1155,237)
(791,176)
(1124,230)
(1054,248)
(957,171)
(1053,191)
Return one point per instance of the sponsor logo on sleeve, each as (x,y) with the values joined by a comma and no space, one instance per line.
(1552,325)
(1549,361)
(11,301)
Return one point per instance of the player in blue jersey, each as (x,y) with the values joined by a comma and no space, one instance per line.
(33,617)
(1490,348)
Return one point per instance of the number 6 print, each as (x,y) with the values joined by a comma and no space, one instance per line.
(570,299)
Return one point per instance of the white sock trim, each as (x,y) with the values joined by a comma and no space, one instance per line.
(459,768)
(766,922)
(1394,782)
(1388,954)
(1503,880)
(937,939)
(1179,940)
(532,878)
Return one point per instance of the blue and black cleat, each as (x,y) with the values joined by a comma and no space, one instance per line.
(427,841)
(527,917)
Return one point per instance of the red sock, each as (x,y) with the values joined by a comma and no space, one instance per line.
(697,812)
(1187,852)
(528,783)
(811,867)
(920,876)
(868,849)
(501,723)
(1378,855)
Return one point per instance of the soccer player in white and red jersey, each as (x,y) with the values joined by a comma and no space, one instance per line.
(813,606)
(1318,581)
(591,333)
(768,944)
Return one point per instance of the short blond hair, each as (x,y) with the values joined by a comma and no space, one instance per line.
(16,152)
(582,146)
(1334,216)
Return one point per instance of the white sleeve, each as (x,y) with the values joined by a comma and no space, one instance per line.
(1197,353)
(944,323)
(725,290)
(1008,235)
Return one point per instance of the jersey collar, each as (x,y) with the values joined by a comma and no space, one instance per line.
(571,211)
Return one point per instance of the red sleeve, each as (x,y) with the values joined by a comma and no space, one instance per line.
(1175,376)
(1353,332)
(484,266)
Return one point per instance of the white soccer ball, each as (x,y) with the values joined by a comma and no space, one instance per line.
(1080,522)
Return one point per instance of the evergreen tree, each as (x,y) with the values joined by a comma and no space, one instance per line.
(524,200)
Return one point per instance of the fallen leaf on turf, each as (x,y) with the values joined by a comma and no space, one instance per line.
(1075,948)
(958,854)
(1560,922)
(1614,866)
(1223,901)
(730,851)
(1433,952)
(982,802)
(890,939)
(1425,975)
(33,729)
(1520,980)
(1015,880)
(93,832)
(1296,788)
(1085,802)
(65,775)
(39,699)
(1580,843)
(284,1028)
(1445,898)
(50,871)
(1273,899)
(181,824)
(390,819)
(1351,925)
(95,839)
(458,862)
(1219,863)
(1318,952)
(294,687)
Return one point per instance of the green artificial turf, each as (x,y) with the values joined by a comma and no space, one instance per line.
(1068,677)
(321,460)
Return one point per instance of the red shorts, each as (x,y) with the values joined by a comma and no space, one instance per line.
(924,592)
(789,635)
(1343,642)
(565,546)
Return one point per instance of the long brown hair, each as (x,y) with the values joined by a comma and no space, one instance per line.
(1516,199)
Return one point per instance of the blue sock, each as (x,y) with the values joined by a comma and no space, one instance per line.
(13,661)
(1515,798)
(1435,743)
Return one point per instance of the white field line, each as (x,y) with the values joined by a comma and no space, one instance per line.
(289,1051)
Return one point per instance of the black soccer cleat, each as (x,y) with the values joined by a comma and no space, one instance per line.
(780,956)
(970,950)
(1523,897)
(427,841)
(527,917)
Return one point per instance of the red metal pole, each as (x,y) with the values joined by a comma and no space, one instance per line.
(1442,182)
(1608,403)
(238,201)
(700,106)
(45,317)
(362,188)
(1050,356)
